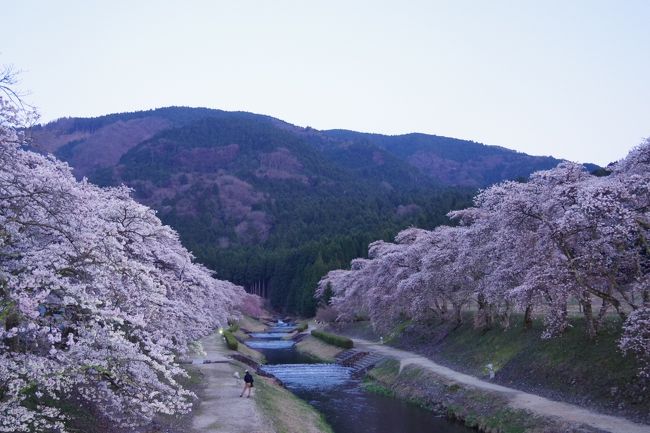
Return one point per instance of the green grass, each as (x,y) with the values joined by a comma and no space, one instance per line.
(571,363)
(288,413)
(333,339)
(508,421)
(231,341)
(252,354)
(479,409)
(381,378)
(317,349)
(302,327)
(369,385)
(395,334)
(571,353)
(386,371)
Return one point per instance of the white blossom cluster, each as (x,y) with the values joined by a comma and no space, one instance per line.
(97,297)
(563,236)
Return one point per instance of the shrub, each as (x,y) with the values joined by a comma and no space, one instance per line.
(333,339)
(231,341)
(302,327)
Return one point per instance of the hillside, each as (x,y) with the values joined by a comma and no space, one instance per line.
(270,205)
(451,161)
(560,368)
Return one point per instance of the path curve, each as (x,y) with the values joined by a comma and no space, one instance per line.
(518,399)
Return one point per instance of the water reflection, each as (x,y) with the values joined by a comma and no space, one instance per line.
(332,390)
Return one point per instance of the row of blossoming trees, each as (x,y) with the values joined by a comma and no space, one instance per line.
(97,297)
(563,237)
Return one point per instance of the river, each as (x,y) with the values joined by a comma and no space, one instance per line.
(332,390)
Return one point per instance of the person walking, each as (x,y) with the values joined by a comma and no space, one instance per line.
(248,384)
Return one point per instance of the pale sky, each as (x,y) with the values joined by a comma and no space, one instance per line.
(566,78)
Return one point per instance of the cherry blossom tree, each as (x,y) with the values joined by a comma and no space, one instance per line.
(564,236)
(636,339)
(97,296)
(252,305)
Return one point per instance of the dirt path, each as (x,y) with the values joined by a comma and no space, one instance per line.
(518,399)
(221,410)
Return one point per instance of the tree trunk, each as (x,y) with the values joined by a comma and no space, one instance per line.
(483,318)
(528,317)
(458,317)
(589,316)
(505,317)
(604,307)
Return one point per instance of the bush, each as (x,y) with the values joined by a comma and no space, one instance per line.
(302,327)
(333,339)
(231,341)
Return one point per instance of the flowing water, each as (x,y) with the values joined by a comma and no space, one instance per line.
(332,390)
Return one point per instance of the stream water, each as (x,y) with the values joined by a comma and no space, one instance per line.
(332,390)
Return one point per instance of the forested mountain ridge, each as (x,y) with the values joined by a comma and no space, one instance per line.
(451,161)
(270,205)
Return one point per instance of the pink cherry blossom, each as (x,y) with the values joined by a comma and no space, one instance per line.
(564,236)
(97,296)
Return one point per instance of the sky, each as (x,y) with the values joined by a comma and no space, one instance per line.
(568,78)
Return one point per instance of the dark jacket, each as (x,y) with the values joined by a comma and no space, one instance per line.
(248,378)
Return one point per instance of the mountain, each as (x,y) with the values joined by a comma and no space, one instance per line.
(270,205)
(452,161)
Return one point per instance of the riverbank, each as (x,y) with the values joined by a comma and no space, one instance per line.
(486,412)
(486,405)
(219,409)
(285,412)
(569,368)
(317,349)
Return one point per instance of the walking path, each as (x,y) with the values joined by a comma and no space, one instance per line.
(518,399)
(221,410)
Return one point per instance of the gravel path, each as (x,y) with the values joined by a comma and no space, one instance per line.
(221,410)
(518,399)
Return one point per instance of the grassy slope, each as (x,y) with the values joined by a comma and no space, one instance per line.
(485,411)
(569,367)
(287,413)
(318,349)
(251,324)
(252,354)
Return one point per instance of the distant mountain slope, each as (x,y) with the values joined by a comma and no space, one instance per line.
(271,205)
(452,161)
(92,143)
